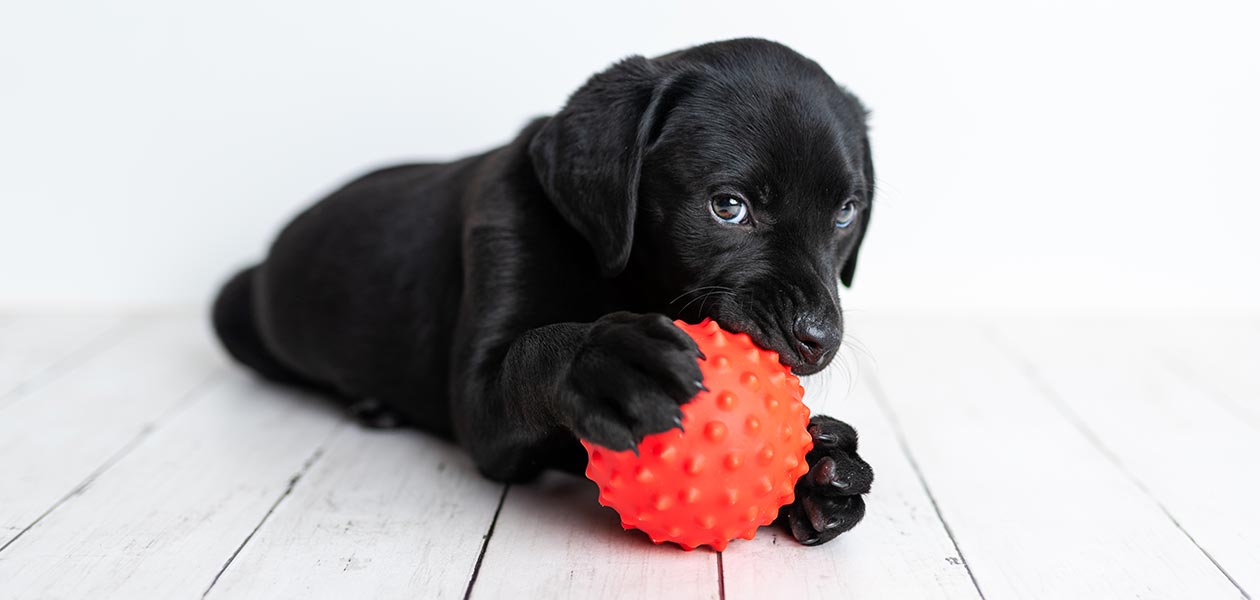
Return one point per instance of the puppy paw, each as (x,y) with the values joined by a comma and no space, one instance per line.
(829,497)
(630,378)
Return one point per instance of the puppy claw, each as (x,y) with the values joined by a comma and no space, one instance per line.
(829,497)
(631,378)
(824,472)
(802,530)
(822,438)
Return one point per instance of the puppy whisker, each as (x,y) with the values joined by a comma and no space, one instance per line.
(726,292)
(697,290)
(720,293)
(859,348)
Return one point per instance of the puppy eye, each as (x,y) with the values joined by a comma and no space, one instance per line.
(729,209)
(848,212)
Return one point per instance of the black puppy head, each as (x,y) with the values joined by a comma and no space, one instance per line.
(731,180)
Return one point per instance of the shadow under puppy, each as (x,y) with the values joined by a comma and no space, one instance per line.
(521,298)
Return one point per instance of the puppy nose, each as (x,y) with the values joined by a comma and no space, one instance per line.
(815,339)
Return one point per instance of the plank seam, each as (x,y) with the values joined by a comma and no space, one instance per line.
(485,543)
(194,393)
(721,578)
(1043,387)
(73,359)
(881,400)
(288,490)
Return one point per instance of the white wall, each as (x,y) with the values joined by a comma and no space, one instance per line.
(1031,154)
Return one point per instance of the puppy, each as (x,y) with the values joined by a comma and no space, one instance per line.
(520,299)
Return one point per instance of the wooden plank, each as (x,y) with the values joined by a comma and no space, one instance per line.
(382,515)
(38,347)
(1037,509)
(553,540)
(1220,356)
(55,437)
(1186,450)
(900,550)
(164,521)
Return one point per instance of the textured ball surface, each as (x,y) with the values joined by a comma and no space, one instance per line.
(736,464)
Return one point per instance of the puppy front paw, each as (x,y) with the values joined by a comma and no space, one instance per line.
(829,497)
(630,378)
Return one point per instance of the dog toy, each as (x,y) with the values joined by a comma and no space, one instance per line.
(734,463)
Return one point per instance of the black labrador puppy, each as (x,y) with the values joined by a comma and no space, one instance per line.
(522,298)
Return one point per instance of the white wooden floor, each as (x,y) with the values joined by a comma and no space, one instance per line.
(1015,458)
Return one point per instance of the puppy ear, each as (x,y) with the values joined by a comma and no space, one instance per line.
(588,156)
(868,172)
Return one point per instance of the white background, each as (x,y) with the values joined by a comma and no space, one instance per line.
(1032,155)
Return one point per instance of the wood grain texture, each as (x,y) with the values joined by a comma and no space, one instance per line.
(900,550)
(35,347)
(392,514)
(1068,458)
(164,521)
(1037,509)
(554,540)
(54,438)
(1186,450)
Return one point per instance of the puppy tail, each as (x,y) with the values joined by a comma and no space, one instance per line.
(234,322)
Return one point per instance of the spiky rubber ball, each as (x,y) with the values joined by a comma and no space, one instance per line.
(734,464)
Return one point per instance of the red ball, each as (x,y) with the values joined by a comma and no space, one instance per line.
(736,464)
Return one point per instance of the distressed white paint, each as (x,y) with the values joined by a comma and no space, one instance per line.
(554,540)
(1193,455)
(900,550)
(164,520)
(1038,511)
(392,514)
(1044,499)
(53,438)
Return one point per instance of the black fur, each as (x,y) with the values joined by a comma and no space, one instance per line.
(521,298)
